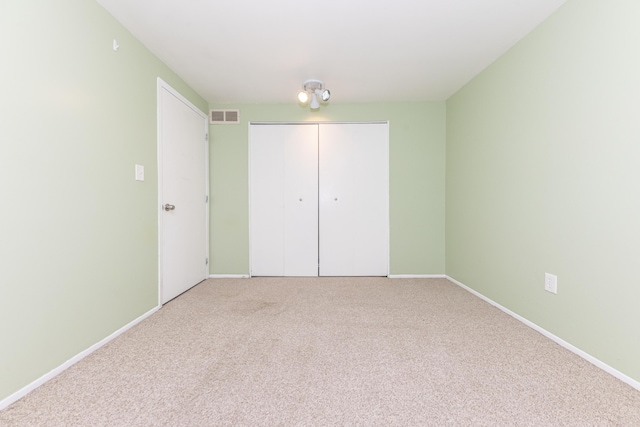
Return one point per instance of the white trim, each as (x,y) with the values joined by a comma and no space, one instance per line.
(586,356)
(417,276)
(75,359)
(229,276)
(249,195)
(379,122)
(388,195)
(159,86)
(162,85)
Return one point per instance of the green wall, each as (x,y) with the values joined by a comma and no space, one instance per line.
(542,172)
(543,175)
(78,245)
(416,187)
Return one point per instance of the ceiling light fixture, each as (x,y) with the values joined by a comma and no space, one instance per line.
(312,90)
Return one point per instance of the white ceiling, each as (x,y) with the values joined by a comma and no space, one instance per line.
(260,51)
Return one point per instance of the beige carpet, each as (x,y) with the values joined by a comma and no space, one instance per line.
(329,351)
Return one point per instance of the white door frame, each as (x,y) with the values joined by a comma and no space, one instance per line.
(162,85)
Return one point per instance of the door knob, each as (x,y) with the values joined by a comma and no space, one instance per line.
(168,207)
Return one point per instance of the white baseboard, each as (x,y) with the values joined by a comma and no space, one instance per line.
(46,377)
(589,358)
(417,276)
(229,276)
(391,276)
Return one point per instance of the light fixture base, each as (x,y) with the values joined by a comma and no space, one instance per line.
(312,85)
(312,90)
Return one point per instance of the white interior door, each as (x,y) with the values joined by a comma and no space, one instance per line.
(284,200)
(354,189)
(182,150)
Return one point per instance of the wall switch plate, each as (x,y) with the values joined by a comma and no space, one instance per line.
(139,173)
(551,283)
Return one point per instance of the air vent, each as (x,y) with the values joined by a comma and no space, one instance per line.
(224,117)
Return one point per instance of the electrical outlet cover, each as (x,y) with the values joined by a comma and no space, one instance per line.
(551,283)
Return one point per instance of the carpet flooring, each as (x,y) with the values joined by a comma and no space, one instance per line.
(325,352)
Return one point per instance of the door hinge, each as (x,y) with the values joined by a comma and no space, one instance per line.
(206,137)
(206,261)
(206,199)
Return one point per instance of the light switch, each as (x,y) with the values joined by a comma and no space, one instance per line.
(139,173)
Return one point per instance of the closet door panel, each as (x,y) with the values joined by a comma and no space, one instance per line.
(353,199)
(371,179)
(336,204)
(266,203)
(284,200)
(301,202)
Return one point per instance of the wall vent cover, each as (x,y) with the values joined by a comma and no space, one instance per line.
(224,117)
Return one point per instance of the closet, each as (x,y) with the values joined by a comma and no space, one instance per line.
(319,199)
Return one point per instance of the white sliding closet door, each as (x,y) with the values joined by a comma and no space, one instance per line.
(354,189)
(284,200)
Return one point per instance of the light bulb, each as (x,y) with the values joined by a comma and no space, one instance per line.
(303,97)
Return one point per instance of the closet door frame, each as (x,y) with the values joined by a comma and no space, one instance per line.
(319,126)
